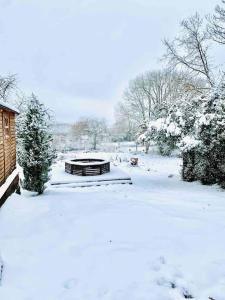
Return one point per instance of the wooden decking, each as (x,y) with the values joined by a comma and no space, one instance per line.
(9,187)
(61,179)
(94,182)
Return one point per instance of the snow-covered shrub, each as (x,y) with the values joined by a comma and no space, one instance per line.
(188,141)
(144,136)
(197,127)
(169,133)
(35,152)
(204,150)
(211,132)
(165,132)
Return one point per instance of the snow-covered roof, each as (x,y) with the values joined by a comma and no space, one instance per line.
(8,106)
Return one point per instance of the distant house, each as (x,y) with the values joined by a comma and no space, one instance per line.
(8,173)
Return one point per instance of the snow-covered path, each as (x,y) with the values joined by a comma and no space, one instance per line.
(157,239)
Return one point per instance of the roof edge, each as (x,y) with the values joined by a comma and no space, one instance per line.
(8,106)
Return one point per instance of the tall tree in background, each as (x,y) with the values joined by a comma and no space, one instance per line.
(80,129)
(7,85)
(97,131)
(124,128)
(190,50)
(35,152)
(216,26)
(151,95)
(93,129)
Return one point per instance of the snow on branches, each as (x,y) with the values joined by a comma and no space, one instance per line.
(35,152)
(197,128)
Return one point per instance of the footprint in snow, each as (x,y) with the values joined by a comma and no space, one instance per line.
(158,264)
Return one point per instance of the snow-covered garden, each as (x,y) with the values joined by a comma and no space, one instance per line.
(159,238)
(119,181)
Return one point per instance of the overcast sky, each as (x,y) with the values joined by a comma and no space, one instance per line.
(78,55)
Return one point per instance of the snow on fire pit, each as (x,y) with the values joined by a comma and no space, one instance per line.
(87,167)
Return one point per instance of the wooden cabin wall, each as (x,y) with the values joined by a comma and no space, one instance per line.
(7,144)
(2,163)
(13,141)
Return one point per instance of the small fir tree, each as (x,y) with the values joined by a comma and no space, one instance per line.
(35,151)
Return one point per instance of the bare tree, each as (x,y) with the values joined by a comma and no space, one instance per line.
(135,101)
(124,127)
(190,50)
(92,128)
(97,131)
(7,85)
(150,95)
(80,128)
(216,26)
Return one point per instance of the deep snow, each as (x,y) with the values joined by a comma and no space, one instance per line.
(157,239)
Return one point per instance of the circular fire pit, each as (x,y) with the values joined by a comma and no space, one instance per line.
(87,167)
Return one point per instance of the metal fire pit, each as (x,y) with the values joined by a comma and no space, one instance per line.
(87,167)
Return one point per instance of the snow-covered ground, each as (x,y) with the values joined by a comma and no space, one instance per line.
(157,239)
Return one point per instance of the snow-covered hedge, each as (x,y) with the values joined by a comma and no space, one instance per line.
(197,127)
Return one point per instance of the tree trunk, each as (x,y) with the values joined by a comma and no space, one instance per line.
(147,146)
(95,142)
(188,168)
